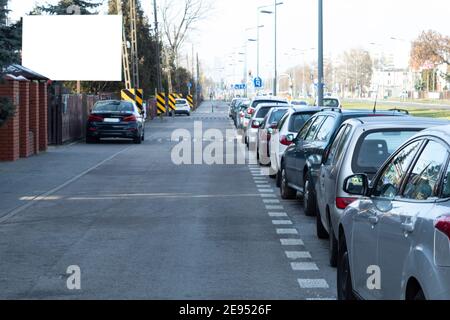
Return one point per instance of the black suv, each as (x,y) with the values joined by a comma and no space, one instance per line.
(301,161)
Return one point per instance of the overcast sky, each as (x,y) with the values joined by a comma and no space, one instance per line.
(348,24)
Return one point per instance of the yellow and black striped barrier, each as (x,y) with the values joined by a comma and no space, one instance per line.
(172,102)
(161,103)
(134,95)
(190,99)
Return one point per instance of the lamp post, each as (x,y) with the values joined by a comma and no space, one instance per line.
(320,57)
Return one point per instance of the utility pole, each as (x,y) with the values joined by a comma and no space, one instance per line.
(320,83)
(276,52)
(197,87)
(134,45)
(158,50)
(125,58)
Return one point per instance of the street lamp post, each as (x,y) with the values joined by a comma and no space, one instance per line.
(320,57)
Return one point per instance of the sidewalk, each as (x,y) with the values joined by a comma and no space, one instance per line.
(26,179)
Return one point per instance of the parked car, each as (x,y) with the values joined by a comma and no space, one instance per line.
(241,112)
(285,133)
(232,105)
(301,161)
(361,145)
(251,109)
(115,119)
(182,107)
(299,103)
(400,229)
(251,133)
(329,102)
(267,127)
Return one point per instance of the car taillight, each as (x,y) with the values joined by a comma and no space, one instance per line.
(241,115)
(343,203)
(284,141)
(94,118)
(256,124)
(130,119)
(443,225)
(250,111)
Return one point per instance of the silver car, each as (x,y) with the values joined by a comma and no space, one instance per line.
(394,243)
(361,146)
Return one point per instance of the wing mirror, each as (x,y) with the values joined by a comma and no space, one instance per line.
(357,185)
(290,137)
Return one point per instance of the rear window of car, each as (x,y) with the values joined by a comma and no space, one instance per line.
(375,147)
(256,103)
(114,107)
(298,120)
(277,115)
(262,113)
(180,102)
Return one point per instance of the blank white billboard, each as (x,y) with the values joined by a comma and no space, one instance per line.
(73,47)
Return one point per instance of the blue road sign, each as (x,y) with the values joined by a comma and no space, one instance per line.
(240,86)
(189,85)
(258,82)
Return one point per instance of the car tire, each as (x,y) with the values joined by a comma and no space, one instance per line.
(420,296)
(344,278)
(137,140)
(278,179)
(333,250)
(321,232)
(286,191)
(309,199)
(91,140)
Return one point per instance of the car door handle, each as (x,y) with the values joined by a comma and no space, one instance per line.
(373,220)
(408,227)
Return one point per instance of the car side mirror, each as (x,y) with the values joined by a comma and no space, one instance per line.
(357,185)
(290,137)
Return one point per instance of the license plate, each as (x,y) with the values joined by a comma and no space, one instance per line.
(111,120)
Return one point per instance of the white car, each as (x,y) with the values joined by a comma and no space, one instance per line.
(330,102)
(287,130)
(182,107)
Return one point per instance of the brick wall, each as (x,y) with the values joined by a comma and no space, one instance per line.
(43,118)
(34,116)
(24,123)
(9,132)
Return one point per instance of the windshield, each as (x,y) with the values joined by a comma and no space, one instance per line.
(180,102)
(375,148)
(113,106)
(256,103)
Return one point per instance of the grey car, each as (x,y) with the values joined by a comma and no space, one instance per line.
(361,146)
(394,243)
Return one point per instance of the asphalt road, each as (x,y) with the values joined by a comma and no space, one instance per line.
(140,227)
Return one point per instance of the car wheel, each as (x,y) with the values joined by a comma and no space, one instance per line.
(309,199)
(91,140)
(286,191)
(278,179)
(344,278)
(137,140)
(321,232)
(333,250)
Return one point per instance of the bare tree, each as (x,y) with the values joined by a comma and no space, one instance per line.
(179,18)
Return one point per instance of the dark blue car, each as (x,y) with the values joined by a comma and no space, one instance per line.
(301,161)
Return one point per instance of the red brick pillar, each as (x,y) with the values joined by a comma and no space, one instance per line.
(9,131)
(24,124)
(43,118)
(34,116)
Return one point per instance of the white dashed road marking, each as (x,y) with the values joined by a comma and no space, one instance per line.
(271,201)
(287,231)
(292,242)
(282,222)
(274,207)
(278,214)
(313,283)
(294,255)
(304,266)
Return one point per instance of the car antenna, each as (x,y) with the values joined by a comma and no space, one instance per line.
(376,100)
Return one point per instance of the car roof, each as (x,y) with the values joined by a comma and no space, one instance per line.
(442,132)
(306,109)
(392,122)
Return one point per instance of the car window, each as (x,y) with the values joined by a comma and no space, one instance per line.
(277,115)
(390,180)
(375,147)
(298,121)
(326,130)
(344,144)
(330,103)
(422,182)
(446,184)
(336,144)
(283,121)
(304,131)
(262,112)
(114,106)
(314,128)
